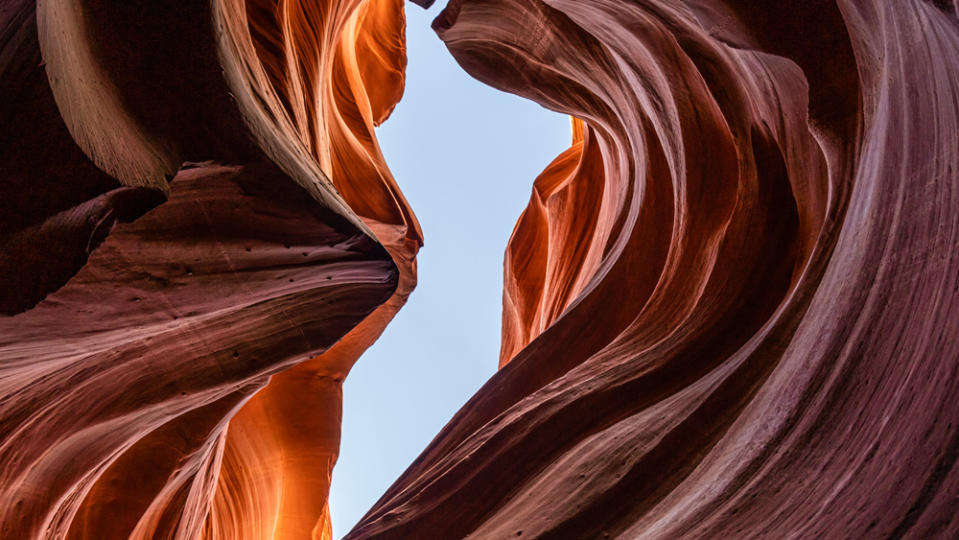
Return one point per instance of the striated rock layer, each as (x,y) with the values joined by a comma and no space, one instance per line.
(198,237)
(731,309)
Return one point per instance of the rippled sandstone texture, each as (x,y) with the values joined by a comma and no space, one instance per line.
(198,237)
(731,309)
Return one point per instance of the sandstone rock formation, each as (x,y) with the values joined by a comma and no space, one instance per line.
(199,237)
(732,307)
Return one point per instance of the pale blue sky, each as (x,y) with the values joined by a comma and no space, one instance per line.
(465,155)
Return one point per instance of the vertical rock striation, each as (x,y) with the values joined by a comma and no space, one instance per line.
(731,308)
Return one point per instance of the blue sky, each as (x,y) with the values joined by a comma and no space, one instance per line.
(465,155)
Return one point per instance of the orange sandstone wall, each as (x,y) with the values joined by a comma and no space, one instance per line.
(200,236)
(731,308)
(338,69)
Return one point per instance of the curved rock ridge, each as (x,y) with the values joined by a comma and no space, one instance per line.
(199,238)
(731,308)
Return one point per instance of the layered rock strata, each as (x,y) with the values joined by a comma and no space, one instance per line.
(199,237)
(731,309)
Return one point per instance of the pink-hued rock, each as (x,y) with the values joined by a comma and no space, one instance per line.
(731,309)
(199,238)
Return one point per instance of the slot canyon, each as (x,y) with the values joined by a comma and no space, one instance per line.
(730,308)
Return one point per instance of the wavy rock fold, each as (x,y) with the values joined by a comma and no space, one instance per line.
(199,237)
(731,308)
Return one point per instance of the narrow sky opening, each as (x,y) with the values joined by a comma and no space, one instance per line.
(465,155)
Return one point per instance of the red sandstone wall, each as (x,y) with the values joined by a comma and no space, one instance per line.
(732,306)
(176,336)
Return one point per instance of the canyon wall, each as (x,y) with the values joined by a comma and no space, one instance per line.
(199,237)
(731,308)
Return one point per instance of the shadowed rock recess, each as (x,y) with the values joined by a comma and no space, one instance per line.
(731,308)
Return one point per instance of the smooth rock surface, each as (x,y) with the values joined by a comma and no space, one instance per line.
(732,307)
(199,238)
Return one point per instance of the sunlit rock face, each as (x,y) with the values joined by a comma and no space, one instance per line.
(199,237)
(731,309)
